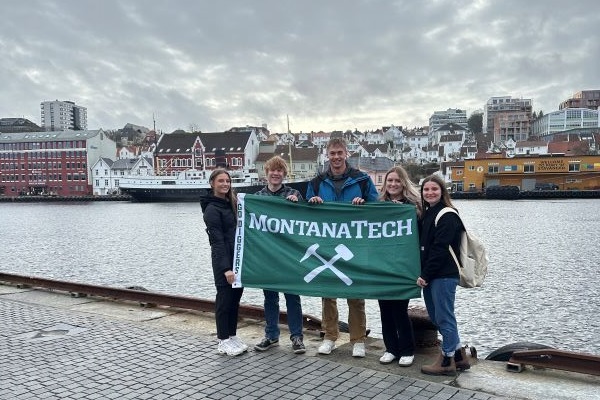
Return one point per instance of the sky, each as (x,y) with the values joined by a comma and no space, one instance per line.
(321,64)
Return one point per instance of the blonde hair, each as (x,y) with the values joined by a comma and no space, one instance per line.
(445,199)
(409,193)
(276,162)
(231,196)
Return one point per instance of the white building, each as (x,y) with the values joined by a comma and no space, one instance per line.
(530,147)
(106,173)
(450,146)
(448,129)
(450,116)
(416,140)
(63,116)
(563,120)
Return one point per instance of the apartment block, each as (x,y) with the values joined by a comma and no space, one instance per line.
(512,124)
(505,104)
(450,116)
(583,99)
(63,116)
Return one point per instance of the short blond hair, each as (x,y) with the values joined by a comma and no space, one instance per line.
(276,162)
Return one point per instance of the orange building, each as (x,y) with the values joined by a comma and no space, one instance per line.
(567,172)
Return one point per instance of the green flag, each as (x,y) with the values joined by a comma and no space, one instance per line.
(337,250)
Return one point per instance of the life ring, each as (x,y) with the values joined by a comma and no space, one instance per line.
(480,169)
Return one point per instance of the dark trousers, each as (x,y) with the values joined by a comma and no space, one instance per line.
(227,306)
(396,327)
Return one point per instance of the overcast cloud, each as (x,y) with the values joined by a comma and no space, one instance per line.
(329,65)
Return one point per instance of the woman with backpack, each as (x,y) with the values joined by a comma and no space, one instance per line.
(439,274)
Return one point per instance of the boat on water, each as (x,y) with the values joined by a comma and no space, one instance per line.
(188,185)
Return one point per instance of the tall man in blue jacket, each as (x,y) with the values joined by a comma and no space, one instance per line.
(345,184)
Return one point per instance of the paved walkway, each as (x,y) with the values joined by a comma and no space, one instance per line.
(53,353)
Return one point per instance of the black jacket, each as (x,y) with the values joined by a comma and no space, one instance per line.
(220,222)
(436,259)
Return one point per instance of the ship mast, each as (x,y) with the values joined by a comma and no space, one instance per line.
(289,145)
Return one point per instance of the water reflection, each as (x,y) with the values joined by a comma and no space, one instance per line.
(541,287)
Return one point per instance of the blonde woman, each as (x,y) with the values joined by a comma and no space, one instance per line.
(396,326)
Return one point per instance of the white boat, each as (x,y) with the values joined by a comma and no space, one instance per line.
(188,185)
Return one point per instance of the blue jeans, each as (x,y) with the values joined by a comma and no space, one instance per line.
(294,314)
(439,297)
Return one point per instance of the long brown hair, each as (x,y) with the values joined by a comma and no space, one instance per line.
(409,193)
(231,195)
(445,199)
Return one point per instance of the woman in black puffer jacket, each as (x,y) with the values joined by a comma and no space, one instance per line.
(219,209)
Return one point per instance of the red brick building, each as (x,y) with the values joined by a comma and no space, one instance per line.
(179,151)
(50,162)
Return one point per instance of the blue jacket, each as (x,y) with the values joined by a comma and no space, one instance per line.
(356,184)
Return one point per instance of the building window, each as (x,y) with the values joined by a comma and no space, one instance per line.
(492,169)
(528,168)
(574,167)
(97,182)
(106,182)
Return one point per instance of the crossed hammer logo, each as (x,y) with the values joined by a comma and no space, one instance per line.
(341,251)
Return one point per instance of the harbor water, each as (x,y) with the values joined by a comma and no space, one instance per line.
(542,284)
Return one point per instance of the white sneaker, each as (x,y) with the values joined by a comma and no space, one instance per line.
(358,350)
(326,347)
(387,358)
(406,361)
(228,347)
(238,342)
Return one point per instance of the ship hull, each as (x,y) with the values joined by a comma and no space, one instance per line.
(190,194)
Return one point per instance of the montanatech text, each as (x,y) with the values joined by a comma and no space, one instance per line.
(338,230)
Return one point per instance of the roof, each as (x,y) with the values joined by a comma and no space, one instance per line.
(48,136)
(370,148)
(308,154)
(18,125)
(569,148)
(231,142)
(451,127)
(531,143)
(124,163)
(370,163)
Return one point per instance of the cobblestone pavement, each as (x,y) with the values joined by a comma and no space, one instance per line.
(52,353)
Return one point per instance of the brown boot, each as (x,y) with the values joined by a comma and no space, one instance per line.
(460,359)
(443,365)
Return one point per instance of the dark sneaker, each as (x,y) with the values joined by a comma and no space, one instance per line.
(266,344)
(297,345)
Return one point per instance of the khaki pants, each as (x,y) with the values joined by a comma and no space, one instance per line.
(357,320)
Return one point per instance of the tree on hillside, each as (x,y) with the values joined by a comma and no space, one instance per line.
(416,172)
(475,122)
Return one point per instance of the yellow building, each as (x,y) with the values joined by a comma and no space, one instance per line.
(567,172)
